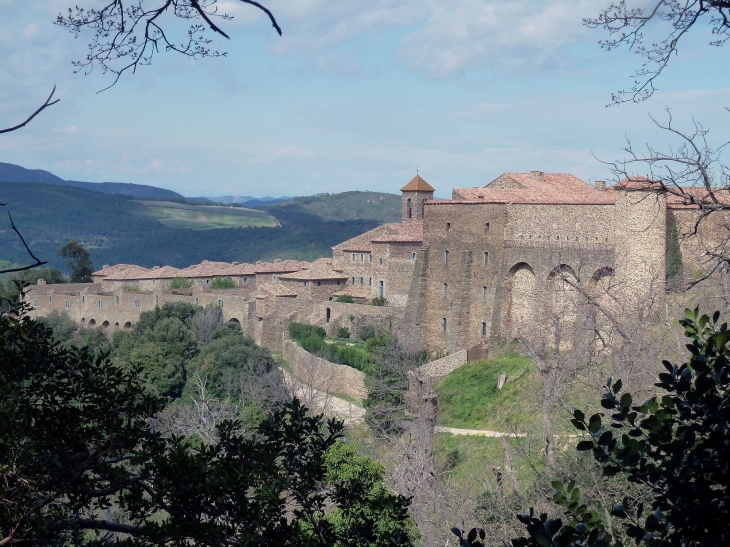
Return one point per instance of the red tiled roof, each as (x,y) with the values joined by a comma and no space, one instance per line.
(314,274)
(536,188)
(129,273)
(206,269)
(241,269)
(363,247)
(409,232)
(166,272)
(282,266)
(274,289)
(417,184)
(108,270)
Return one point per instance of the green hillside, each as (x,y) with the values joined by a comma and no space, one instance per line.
(117,229)
(350,205)
(201,217)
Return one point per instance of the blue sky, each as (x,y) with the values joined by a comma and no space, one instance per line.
(356,95)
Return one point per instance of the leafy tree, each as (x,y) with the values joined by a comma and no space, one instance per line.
(80,464)
(181,283)
(675,265)
(343,332)
(674,445)
(78,260)
(223,283)
(48,274)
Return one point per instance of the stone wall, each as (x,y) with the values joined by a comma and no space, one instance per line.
(445,365)
(324,375)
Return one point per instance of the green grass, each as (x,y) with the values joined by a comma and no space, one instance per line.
(351,205)
(178,215)
(469,398)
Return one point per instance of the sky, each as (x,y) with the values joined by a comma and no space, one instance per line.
(356,95)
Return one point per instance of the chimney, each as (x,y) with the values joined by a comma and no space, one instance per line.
(235,263)
(105,266)
(277,260)
(601,185)
(41,281)
(539,176)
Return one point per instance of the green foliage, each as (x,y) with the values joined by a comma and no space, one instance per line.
(349,205)
(130,288)
(297,331)
(346,298)
(469,398)
(223,283)
(78,260)
(179,310)
(80,461)
(180,283)
(8,287)
(378,301)
(675,264)
(343,332)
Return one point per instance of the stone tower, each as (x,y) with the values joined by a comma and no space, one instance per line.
(415,194)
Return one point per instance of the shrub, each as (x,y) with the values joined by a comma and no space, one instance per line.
(378,301)
(181,283)
(343,332)
(297,331)
(346,298)
(130,288)
(366,332)
(312,343)
(223,283)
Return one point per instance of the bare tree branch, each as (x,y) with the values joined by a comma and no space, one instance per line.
(41,109)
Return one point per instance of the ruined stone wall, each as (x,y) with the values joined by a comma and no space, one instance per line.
(445,365)
(324,375)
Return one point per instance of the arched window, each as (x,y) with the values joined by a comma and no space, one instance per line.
(423,208)
(408,206)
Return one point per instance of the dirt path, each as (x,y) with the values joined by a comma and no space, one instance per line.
(327,403)
(476,432)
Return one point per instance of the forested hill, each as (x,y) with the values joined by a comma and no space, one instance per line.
(15,173)
(117,229)
(350,205)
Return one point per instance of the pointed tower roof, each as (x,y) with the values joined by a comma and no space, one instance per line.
(417,184)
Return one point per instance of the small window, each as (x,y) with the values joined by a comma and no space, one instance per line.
(448,226)
(370,257)
(83,300)
(207,281)
(157,299)
(101,304)
(319,283)
(380,262)
(197,302)
(484,328)
(220,303)
(117,299)
(353,280)
(486,228)
(446,258)
(273,279)
(413,256)
(305,283)
(50,298)
(362,257)
(370,281)
(353,257)
(136,303)
(446,290)
(444,324)
(36,303)
(486,259)
(67,304)
(362,281)
(484,294)
(245,279)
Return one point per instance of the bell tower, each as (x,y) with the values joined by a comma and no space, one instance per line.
(415,194)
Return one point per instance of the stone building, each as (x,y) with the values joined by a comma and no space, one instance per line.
(465,273)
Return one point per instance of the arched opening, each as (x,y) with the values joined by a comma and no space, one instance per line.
(423,209)
(381,288)
(521,304)
(127,326)
(116,326)
(83,321)
(92,322)
(105,325)
(600,288)
(561,304)
(328,315)
(234,320)
(408,208)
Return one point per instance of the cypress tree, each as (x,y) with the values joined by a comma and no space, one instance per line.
(675,265)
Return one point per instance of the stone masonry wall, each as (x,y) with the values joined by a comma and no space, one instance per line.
(324,375)
(445,365)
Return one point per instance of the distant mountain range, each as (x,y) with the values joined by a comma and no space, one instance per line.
(15,173)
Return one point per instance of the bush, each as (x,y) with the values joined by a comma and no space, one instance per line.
(312,343)
(130,288)
(297,331)
(366,332)
(223,283)
(346,298)
(378,301)
(182,283)
(343,332)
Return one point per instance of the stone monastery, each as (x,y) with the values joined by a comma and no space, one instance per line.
(455,274)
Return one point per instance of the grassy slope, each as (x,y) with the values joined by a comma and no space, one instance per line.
(469,398)
(117,229)
(350,205)
(178,215)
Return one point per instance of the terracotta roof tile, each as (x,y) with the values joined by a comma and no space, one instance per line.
(282,266)
(417,184)
(408,232)
(362,247)
(274,289)
(536,188)
(109,270)
(130,273)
